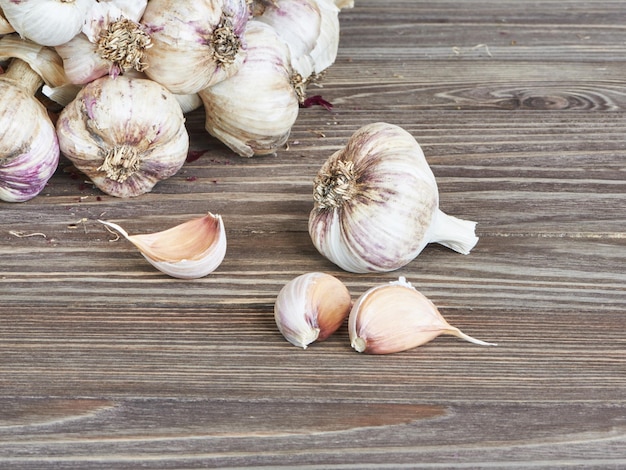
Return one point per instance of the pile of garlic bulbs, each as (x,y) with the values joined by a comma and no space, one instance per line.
(126,71)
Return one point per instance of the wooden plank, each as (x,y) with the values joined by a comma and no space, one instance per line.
(519,107)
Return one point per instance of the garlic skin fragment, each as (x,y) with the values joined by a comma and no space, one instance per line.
(253,111)
(126,134)
(29,149)
(46,22)
(195,43)
(395,317)
(376,204)
(190,250)
(311,307)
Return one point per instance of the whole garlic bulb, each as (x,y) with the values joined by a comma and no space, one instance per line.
(29,150)
(376,204)
(395,317)
(311,307)
(253,111)
(195,44)
(46,22)
(125,134)
(111,42)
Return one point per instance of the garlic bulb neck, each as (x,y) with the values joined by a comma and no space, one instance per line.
(224,42)
(23,75)
(124,43)
(120,163)
(457,234)
(335,185)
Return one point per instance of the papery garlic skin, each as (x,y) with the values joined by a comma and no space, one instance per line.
(195,43)
(311,307)
(253,111)
(126,134)
(395,317)
(326,47)
(29,149)
(190,250)
(376,204)
(46,22)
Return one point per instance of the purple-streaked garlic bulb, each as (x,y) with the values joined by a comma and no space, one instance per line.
(29,150)
(376,204)
(253,111)
(126,134)
(195,44)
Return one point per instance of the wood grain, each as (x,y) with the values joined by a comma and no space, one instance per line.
(520,108)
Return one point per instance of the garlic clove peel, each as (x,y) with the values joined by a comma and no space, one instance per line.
(311,307)
(396,317)
(376,204)
(190,250)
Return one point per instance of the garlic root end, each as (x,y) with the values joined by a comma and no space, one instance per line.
(359,344)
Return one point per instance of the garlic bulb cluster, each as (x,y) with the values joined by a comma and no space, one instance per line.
(29,149)
(311,307)
(247,62)
(396,317)
(376,204)
(126,134)
(190,250)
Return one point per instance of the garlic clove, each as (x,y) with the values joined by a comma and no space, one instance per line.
(396,317)
(311,307)
(376,204)
(187,251)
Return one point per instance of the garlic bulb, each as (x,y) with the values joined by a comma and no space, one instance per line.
(190,250)
(396,317)
(125,134)
(311,307)
(111,42)
(195,43)
(253,111)
(29,150)
(376,204)
(298,24)
(46,22)
(326,47)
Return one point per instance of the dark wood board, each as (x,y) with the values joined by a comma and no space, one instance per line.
(520,108)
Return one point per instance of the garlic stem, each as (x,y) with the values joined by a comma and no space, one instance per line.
(455,233)
(458,333)
(22,74)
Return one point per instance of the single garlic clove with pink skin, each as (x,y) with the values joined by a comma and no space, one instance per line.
(311,307)
(396,317)
(190,250)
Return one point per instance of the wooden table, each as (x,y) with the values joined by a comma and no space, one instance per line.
(520,108)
